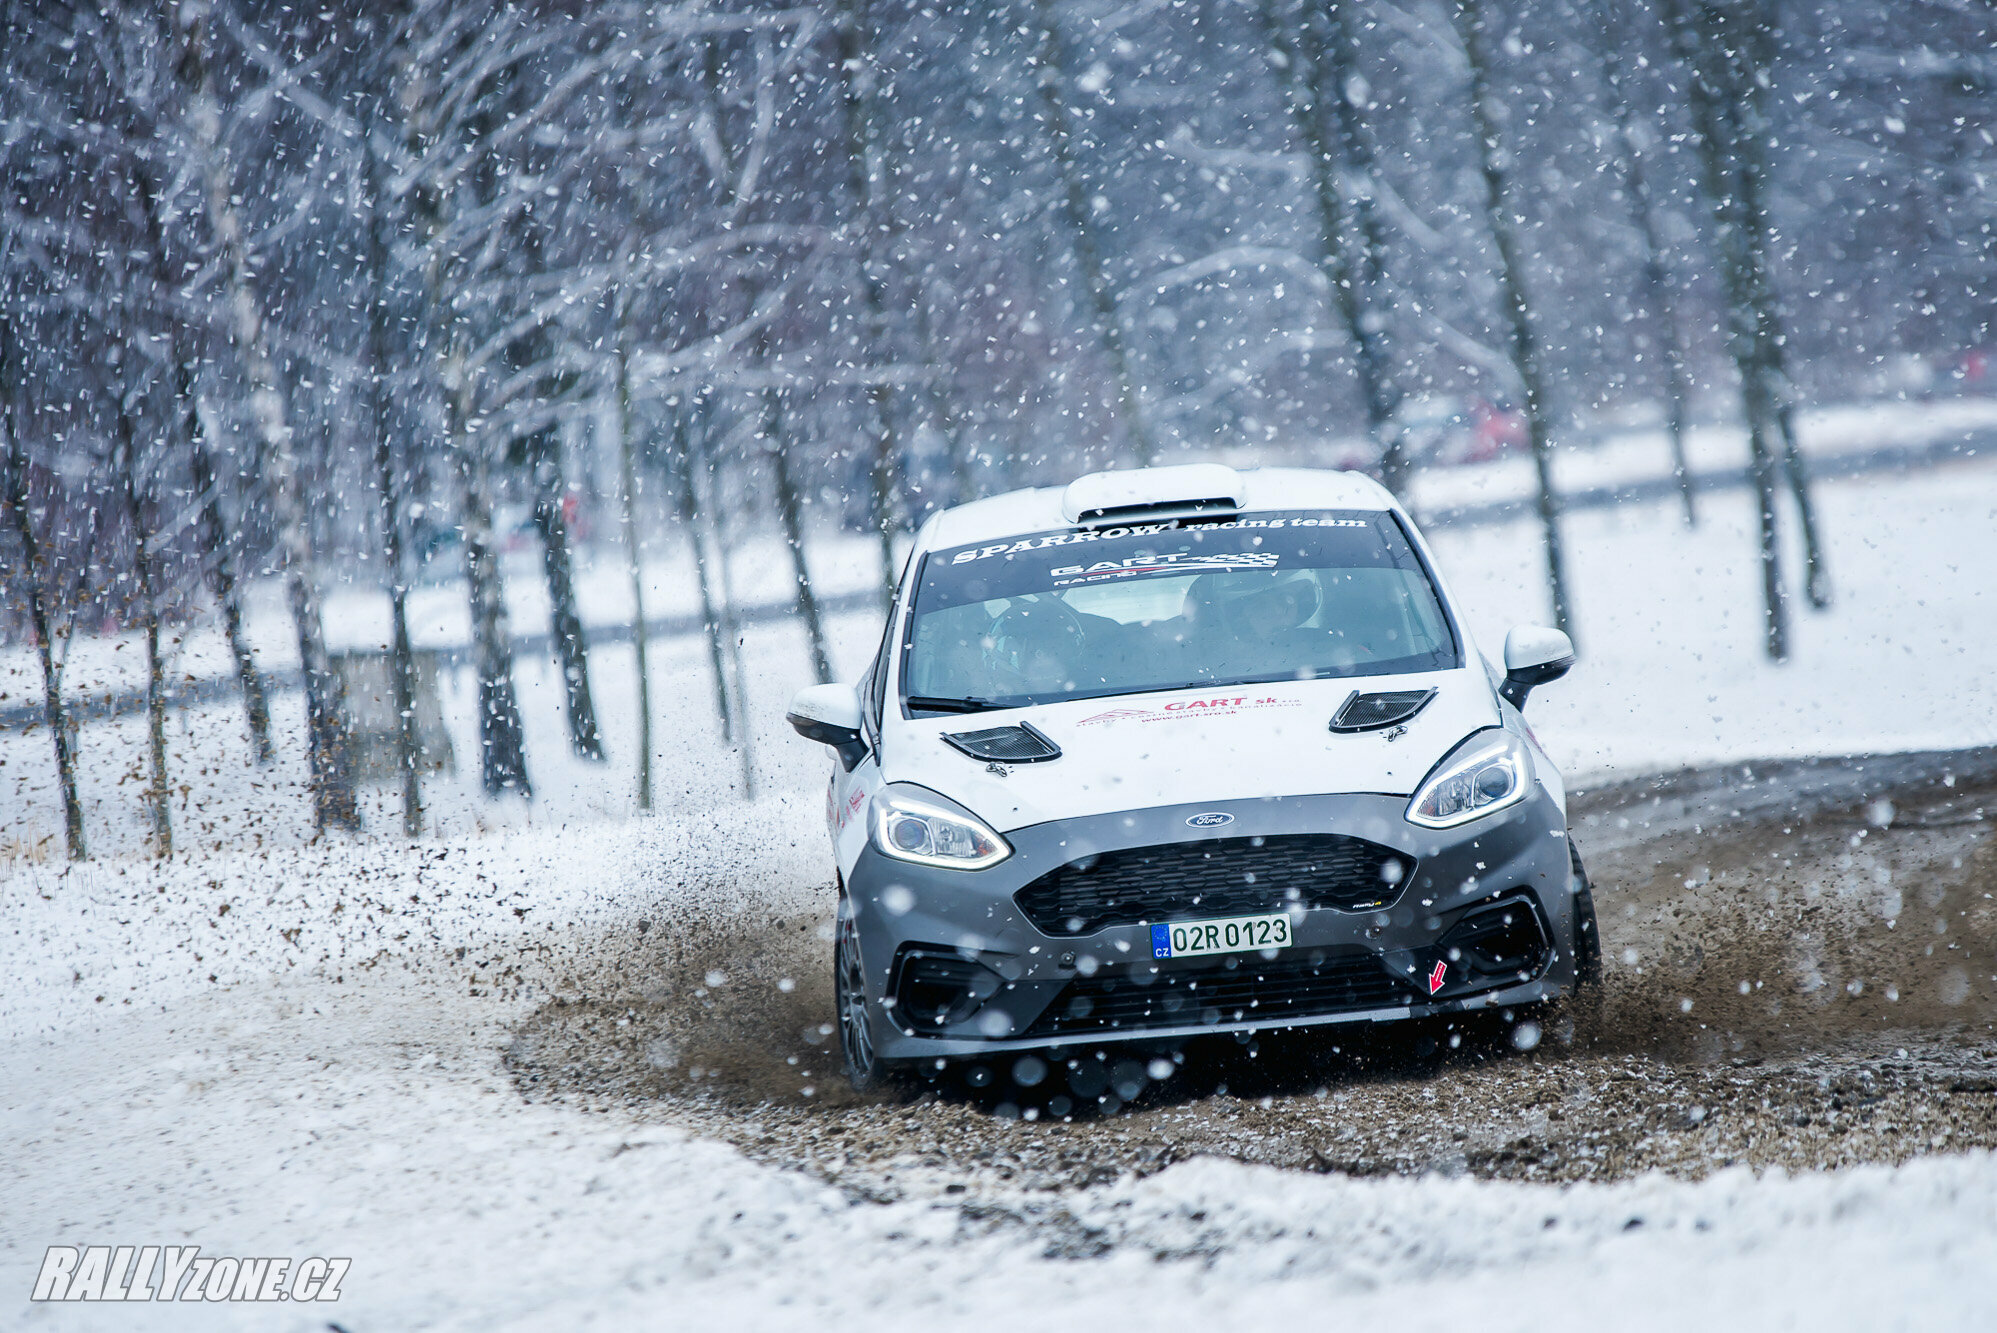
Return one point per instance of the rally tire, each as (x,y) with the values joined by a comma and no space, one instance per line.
(1578,1014)
(865,1070)
(1587,935)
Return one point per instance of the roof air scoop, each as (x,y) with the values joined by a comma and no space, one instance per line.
(1372,712)
(1153,495)
(1023,744)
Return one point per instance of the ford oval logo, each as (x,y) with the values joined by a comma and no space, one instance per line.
(1211,819)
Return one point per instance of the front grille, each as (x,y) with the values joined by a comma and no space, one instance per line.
(1221,877)
(1308,987)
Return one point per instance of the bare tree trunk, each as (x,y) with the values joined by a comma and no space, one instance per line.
(125,464)
(1384,392)
(545,464)
(710,619)
(628,473)
(1519,339)
(157,797)
(402,654)
(502,740)
(1748,54)
(1659,290)
(55,715)
(1664,306)
(790,512)
(325,695)
(1761,453)
(865,169)
(217,554)
(884,488)
(1677,382)
(571,644)
(1817,575)
(219,562)
(1053,76)
(1317,71)
(731,631)
(1706,91)
(14,498)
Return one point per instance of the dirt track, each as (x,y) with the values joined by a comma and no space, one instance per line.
(1802,971)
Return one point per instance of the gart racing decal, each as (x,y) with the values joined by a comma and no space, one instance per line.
(1211,707)
(1173,562)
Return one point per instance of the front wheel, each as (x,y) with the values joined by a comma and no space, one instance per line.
(1587,936)
(1580,1013)
(865,1070)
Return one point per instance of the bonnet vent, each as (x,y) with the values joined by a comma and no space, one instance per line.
(1023,744)
(1370,712)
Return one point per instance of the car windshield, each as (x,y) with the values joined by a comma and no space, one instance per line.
(1082,614)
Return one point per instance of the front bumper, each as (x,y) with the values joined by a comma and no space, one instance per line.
(1025,988)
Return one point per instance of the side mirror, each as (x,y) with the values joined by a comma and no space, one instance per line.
(1534,655)
(830,715)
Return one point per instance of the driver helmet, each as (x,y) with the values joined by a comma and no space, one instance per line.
(1250,600)
(1039,642)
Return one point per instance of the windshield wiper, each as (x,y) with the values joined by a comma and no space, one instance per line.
(932,704)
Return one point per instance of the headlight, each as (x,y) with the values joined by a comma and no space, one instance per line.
(909,828)
(1486,773)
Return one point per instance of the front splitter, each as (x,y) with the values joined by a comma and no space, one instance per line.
(906,1047)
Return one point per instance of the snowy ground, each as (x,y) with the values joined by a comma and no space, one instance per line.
(1669,627)
(337,1089)
(279,1048)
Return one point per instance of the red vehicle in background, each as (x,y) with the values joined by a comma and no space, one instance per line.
(1445,431)
(1495,429)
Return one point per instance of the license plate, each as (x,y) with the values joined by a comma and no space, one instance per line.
(1228,934)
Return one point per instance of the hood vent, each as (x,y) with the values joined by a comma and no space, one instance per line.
(1154,495)
(1023,744)
(1371,712)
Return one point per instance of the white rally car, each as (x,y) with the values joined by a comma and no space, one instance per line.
(1178,751)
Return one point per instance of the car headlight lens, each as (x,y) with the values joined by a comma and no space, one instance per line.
(909,828)
(1485,774)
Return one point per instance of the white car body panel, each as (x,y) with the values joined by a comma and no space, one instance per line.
(1134,751)
(846,801)
(1238,742)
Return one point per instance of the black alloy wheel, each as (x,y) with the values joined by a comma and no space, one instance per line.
(864,1069)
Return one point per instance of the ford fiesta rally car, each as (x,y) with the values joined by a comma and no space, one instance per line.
(1179,751)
